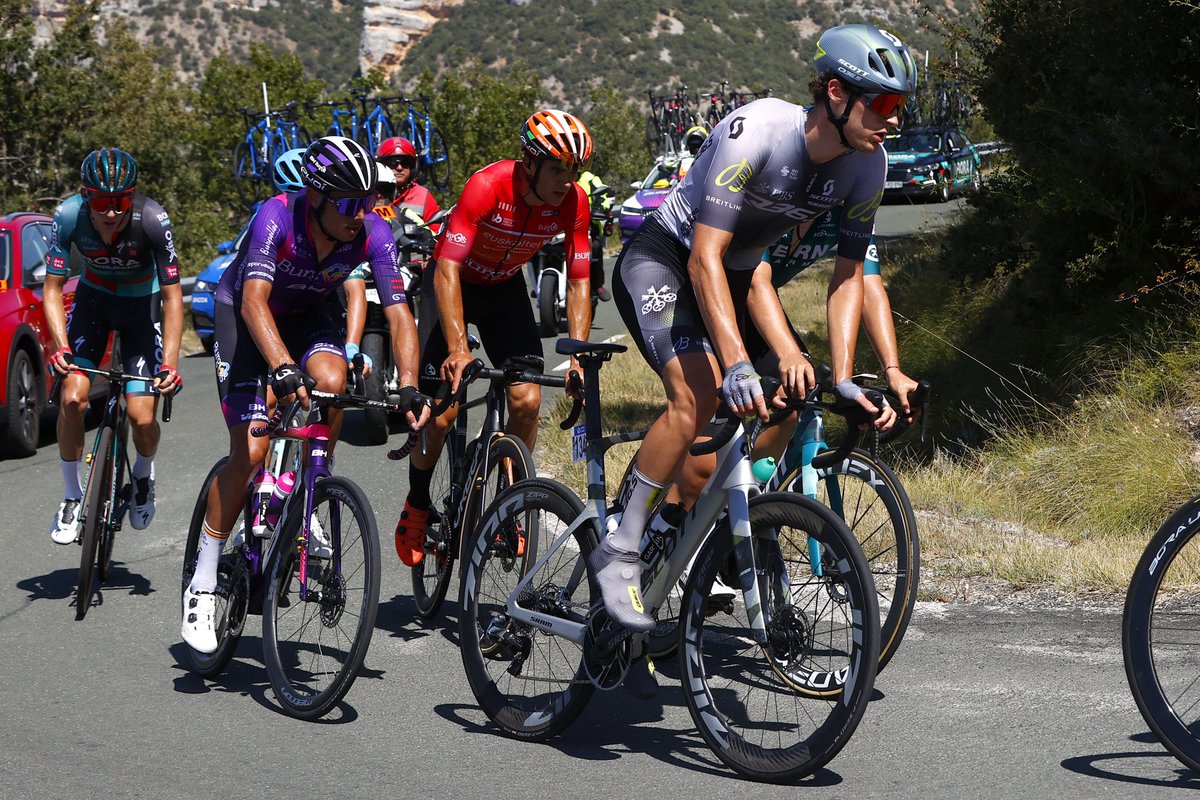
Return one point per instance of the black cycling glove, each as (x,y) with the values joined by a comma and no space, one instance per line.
(287,378)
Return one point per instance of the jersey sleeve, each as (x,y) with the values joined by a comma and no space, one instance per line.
(858,213)
(61,232)
(381,255)
(459,236)
(741,149)
(263,240)
(157,226)
(578,247)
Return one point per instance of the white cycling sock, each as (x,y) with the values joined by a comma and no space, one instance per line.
(143,466)
(211,543)
(643,496)
(70,473)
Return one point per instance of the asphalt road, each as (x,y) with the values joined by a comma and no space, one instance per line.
(980,702)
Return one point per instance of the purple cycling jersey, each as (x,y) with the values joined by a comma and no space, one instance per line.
(278,249)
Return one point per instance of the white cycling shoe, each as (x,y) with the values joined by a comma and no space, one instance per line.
(141,508)
(319,545)
(65,528)
(199,620)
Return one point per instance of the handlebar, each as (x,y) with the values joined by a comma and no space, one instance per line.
(114,376)
(510,374)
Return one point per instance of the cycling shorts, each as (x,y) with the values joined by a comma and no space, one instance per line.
(664,319)
(241,369)
(137,322)
(501,312)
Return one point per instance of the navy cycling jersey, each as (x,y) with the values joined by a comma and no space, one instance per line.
(141,258)
(789,256)
(754,178)
(278,249)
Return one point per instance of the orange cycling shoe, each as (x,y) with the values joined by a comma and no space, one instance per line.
(410,534)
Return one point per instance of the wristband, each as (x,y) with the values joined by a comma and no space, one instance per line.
(351,351)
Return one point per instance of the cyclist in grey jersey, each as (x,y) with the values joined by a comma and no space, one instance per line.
(765,168)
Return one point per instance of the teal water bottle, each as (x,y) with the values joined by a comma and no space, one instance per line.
(763,469)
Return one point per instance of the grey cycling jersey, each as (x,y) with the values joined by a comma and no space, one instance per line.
(754,178)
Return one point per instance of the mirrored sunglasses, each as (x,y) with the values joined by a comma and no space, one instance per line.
(885,105)
(350,206)
(102,203)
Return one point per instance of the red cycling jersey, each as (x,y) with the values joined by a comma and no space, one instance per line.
(493,232)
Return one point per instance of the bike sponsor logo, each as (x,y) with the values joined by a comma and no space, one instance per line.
(162,217)
(509,207)
(58,264)
(583,256)
(736,127)
(657,299)
(430,371)
(864,211)
(499,219)
(336,272)
(872,253)
(714,200)
(791,173)
(551,212)
(268,238)
(551,228)
(735,176)
(170,245)
(456,238)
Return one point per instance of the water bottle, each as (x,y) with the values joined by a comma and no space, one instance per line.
(763,469)
(264,488)
(283,487)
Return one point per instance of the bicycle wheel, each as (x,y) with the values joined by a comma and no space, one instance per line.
(233,583)
(245,175)
(435,162)
(779,711)
(123,493)
(529,683)
(313,647)
(431,577)
(654,136)
(1159,634)
(95,518)
(875,507)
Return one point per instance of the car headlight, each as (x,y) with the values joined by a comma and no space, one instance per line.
(203,286)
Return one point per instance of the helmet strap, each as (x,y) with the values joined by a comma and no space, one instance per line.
(840,122)
(533,179)
(316,215)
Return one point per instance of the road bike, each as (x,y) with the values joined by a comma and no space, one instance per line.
(314,580)
(861,489)
(1159,633)
(469,475)
(268,135)
(108,488)
(776,687)
(433,159)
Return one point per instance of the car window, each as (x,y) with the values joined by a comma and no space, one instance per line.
(913,143)
(660,177)
(952,143)
(35,243)
(5,256)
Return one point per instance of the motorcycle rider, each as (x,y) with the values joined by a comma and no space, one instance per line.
(601,197)
(399,155)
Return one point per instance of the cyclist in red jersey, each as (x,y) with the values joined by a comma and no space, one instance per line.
(399,155)
(507,211)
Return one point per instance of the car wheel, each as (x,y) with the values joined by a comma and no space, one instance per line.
(24,407)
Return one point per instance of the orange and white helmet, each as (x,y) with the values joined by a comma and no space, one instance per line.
(557,135)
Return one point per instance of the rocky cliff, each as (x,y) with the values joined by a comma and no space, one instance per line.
(390,28)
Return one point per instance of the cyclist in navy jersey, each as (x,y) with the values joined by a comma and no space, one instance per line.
(684,278)
(273,329)
(130,286)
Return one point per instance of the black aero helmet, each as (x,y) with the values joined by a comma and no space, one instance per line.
(338,164)
(108,170)
(866,58)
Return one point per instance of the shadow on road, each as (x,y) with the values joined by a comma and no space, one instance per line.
(399,618)
(247,676)
(60,584)
(1139,767)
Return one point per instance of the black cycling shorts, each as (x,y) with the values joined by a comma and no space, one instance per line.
(665,319)
(137,321)
(501,312)
(241,369)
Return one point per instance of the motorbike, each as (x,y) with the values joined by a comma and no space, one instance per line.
(414,244)
(548,272)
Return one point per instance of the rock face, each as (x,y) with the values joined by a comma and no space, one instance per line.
(391,26)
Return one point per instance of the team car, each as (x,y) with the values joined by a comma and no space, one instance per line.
(930,162)
(650,193)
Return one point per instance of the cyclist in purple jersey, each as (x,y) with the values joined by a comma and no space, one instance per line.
(683,279)
(273,327)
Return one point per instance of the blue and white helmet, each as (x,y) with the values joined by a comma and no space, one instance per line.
(287,171)
(338,164)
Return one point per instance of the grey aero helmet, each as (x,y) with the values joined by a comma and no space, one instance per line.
(871,60)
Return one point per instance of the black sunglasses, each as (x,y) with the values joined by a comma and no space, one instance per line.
(391,162)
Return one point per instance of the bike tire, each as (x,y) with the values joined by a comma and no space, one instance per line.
(95,518)
(878,512)
(1159,631)
(437,161)
(310,678)
(245,178)
(123,492)
(233,584)
(549,322)
(530,684)
(431,577)
(814,691)
(375,420)
(654,137)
